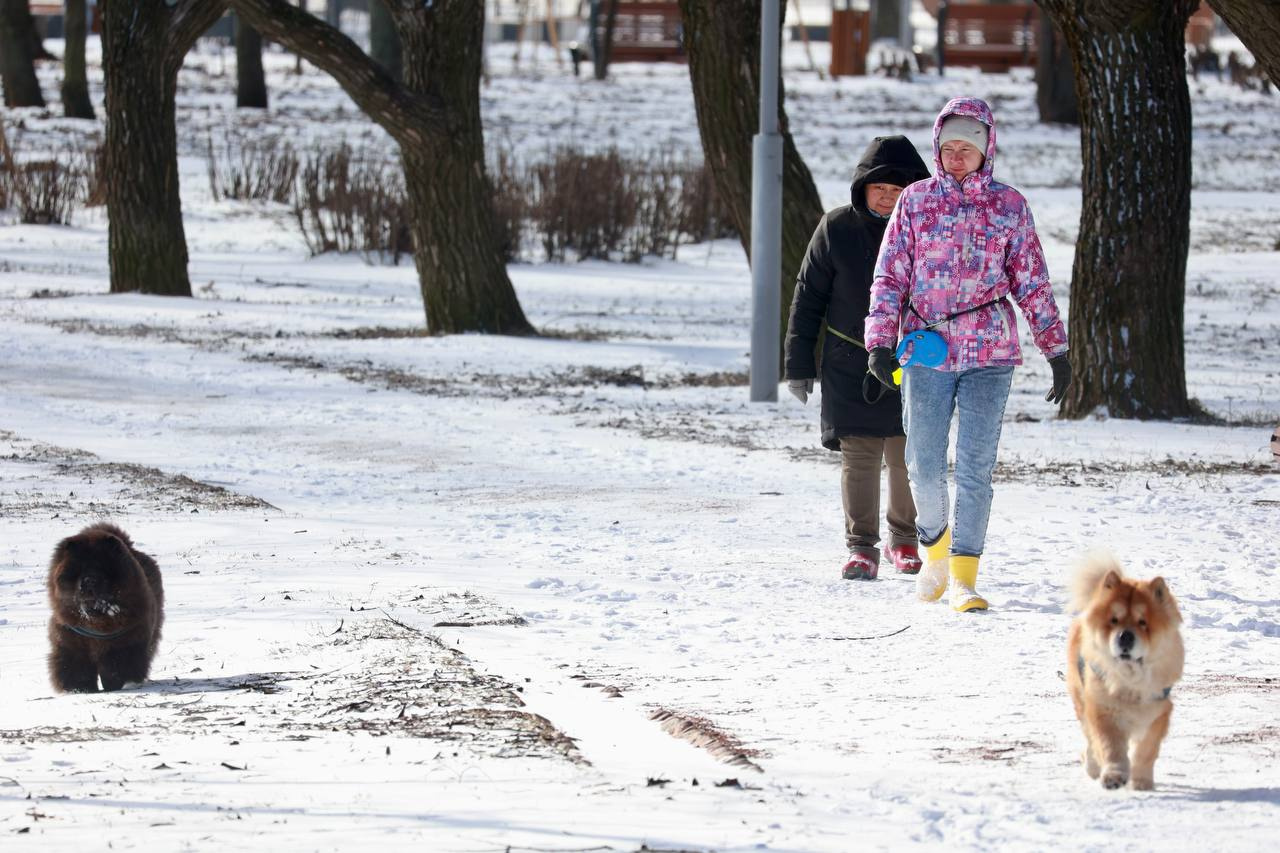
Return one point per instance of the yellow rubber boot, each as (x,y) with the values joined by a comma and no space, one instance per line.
(964,577)
(931,583)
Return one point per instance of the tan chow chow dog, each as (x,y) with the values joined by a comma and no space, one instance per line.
(1124,654)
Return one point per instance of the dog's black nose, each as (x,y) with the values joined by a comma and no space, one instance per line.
(1126,640)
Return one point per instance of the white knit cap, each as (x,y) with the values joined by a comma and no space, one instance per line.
(964,129)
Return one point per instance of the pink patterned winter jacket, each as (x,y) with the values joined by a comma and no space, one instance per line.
(950,247)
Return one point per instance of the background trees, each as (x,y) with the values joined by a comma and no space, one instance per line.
(1257,24)
(435,119)
(75,82)
(17,55)
(722,41)
(1129,275)
(143,44)
(251,82)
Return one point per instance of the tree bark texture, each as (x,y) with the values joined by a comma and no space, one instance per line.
(1055,77)
(384,41)
(251,81)
(17,57)
(1257,24)
(604,48)
(143,44)
(1129,277)
(722,41)
(435,118)
(75,81)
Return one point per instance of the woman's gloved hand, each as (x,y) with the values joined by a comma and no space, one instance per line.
(800,388)
(881,364)
(1061,367)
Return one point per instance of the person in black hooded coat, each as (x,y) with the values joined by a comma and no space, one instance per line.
(860,420)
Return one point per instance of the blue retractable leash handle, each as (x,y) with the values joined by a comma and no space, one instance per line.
(928,349)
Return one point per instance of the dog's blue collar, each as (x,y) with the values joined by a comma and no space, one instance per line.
(94,635)
(1080,662)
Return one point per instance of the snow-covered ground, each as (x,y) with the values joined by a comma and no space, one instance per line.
(462,593)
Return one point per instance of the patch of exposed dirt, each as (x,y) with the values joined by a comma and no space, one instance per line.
(464,610)
(387,679)
(1262,742)
(1006,752)
(1092,473)
(96,488)
(1102,473)
(63,734)
(1215,684)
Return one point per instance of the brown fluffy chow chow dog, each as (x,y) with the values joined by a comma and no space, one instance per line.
(108,604)
(1124,655)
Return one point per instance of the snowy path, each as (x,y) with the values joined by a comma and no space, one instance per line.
(681,575)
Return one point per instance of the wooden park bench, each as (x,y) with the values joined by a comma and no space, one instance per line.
(43,10)
(646,31)
(994,38)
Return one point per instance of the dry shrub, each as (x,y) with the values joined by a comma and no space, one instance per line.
(95,176)
(584,202)
(607,206)
(507,181)
(46,191)
(352,201)
(257,171)
(702,215)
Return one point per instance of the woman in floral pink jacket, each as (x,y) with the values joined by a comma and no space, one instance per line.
(960,248)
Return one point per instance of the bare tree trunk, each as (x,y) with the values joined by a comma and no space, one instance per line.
(384,41)
(251,81)
(1055,77)
(1257,24)
(75,81)
(604,50)
(18,38)
(435,118)
(1129,277)
(722,41)
(143,44)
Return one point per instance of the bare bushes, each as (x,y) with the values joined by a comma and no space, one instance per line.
(607,206)
(44,190)
(343,199)
(352,201)
(262,171)
(571,204)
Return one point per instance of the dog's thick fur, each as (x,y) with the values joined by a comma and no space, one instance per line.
(108,604)
(1124,654)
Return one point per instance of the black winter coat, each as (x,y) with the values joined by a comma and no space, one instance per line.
(834,285)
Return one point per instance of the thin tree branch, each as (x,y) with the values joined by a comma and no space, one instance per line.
(402,113)
(191,19)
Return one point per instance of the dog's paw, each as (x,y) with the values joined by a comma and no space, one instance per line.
(1114,776)
(1143,783)
(1090,766)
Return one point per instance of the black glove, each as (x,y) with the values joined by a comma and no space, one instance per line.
(1061,379)
(881,364)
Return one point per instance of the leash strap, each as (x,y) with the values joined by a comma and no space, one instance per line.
(950,317)
(872,389)
(842,336)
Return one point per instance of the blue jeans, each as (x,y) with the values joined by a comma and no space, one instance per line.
(929,397)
